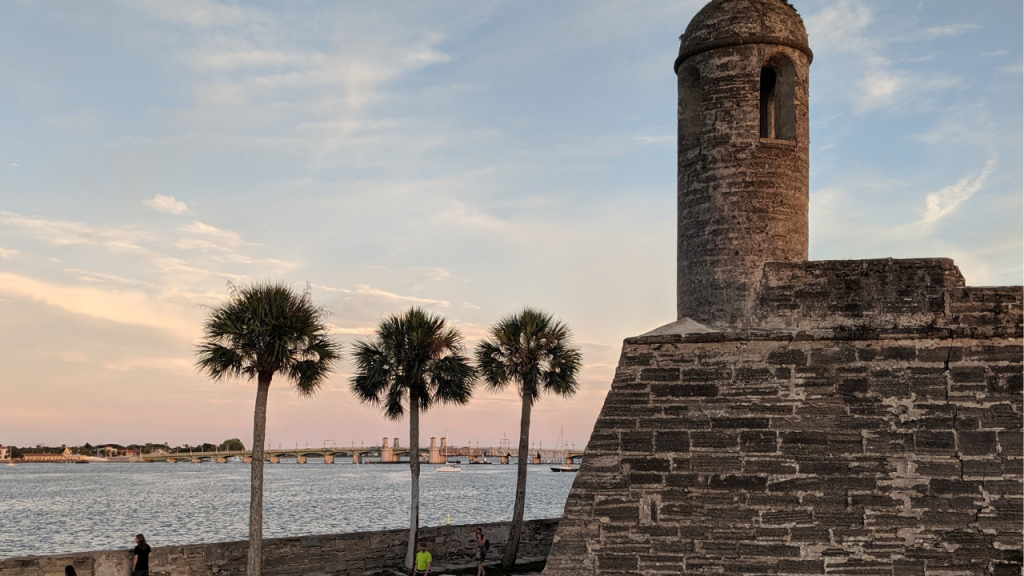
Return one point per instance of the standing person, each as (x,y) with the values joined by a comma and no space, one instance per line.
(423,560)
(140,556)
(480,551)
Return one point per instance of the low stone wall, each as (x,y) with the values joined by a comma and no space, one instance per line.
(889,297)
(335,554)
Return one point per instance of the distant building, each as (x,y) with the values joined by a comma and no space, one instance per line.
(5,453)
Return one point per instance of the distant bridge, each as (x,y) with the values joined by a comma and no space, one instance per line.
(386,452)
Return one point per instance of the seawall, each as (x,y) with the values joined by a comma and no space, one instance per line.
(335,554)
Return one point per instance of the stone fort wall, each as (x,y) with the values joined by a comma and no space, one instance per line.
(870,425)
(335,554)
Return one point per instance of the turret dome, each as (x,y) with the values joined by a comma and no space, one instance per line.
(724,23)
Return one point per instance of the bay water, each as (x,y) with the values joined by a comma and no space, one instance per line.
(61,508)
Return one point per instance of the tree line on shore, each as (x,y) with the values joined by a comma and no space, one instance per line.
(88,449)
(415,361)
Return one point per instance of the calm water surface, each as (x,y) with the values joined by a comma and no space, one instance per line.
(58,508)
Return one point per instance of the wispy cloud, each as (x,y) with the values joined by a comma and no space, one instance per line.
(121,306)
(357,330)
(944,31)
(173,365)
(92,276)
(656,139)
(944,202)
(429,274)
(878,81)
(64,233)
(383,294)
(168,204)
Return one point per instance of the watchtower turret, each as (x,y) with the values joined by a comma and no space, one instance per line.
(743,153)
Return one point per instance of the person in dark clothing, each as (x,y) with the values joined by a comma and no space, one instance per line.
(480,548)
(140,556)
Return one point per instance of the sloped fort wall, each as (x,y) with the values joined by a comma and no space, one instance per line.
(848,445)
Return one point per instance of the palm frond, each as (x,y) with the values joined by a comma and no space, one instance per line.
(532,351)
(413,354)
(268,328)
(218,361)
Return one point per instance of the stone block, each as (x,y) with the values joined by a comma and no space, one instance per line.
(659,375)
(671,441)
(731,482)
(719,439)
(801,566)
(978,443)
(1011,443)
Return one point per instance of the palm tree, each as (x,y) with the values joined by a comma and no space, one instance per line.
(265,329)
(531,351)
(415,358)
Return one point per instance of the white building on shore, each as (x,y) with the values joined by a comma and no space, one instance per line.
(5,453)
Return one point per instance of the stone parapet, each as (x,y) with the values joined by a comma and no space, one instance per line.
(335,554)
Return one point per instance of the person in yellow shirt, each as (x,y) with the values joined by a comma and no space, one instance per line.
(423,559)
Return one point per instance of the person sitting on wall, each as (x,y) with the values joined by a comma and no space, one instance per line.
(423,559)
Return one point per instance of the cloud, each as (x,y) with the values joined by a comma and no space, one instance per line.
(376,292)
(940,204)
(330,289)
(162,203)
(62,233)
(174,365)
(947,30)
(877,81)
(222,238)
(657,139)
(358,330)
(90,276)
(429,274)
(202,13)
(121,306)
(7,254)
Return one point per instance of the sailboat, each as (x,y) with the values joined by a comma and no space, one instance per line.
(566,466)
(447,467)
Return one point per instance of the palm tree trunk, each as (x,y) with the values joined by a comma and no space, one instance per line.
(512,547)
(414,467)
(259,432)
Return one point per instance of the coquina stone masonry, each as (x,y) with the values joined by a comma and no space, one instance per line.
(853,417)
(743,153)
(334,554)
(773,452)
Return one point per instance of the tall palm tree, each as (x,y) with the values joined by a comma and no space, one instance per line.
(415,358)
(265,329)
(533,352)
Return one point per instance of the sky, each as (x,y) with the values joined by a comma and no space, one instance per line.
(466,157)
